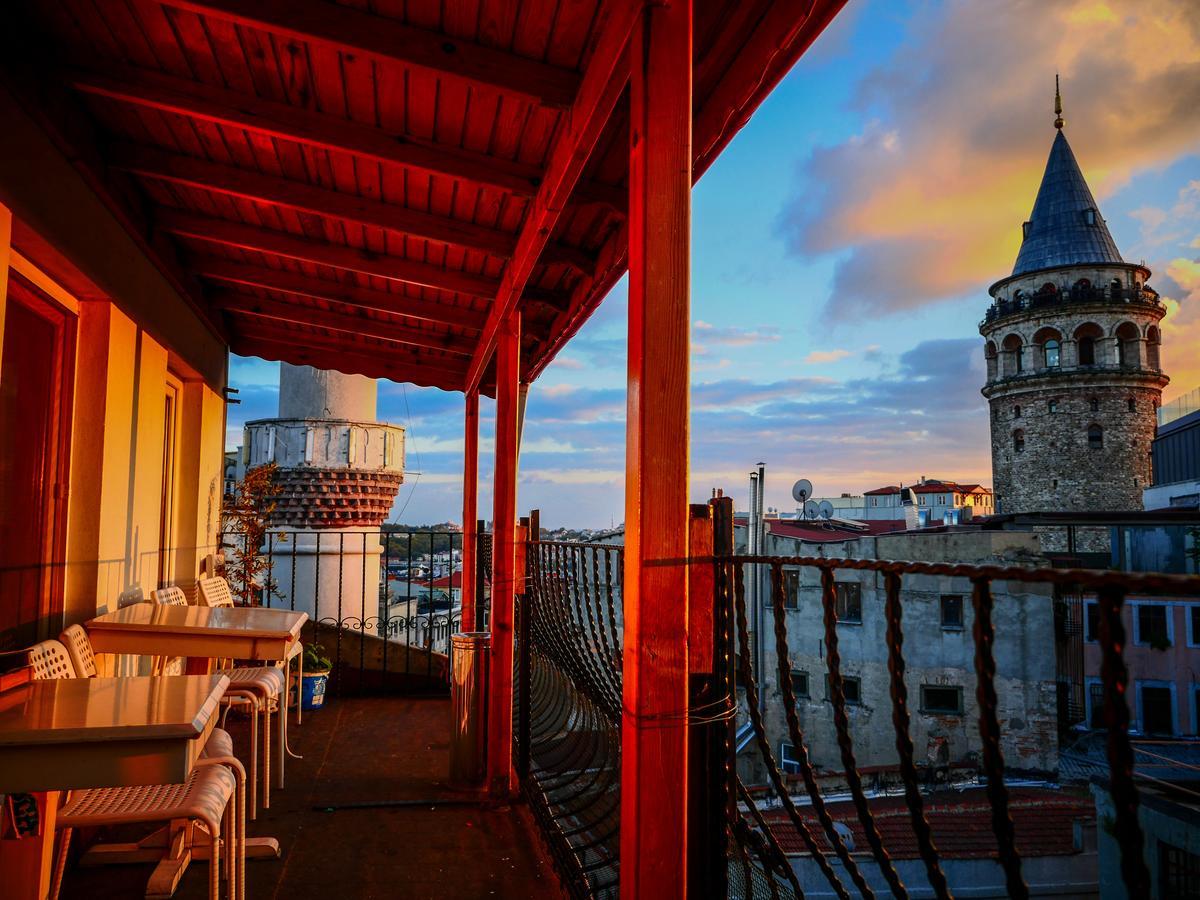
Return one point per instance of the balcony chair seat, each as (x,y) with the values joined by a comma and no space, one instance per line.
(204,797)
(268,679)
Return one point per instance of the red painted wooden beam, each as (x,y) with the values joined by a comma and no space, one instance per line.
(339,256)
(346,320)
(362,35)
(288,282)
(654,743)
(305,197)
(605,78)
(470,507)
(504,574)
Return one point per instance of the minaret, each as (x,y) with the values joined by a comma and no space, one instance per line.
(340,470)
(1072,347)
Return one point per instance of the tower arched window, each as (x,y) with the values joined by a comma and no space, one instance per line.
(1132,405)
(1152,341)
(1095,437)
(1087,351)
(1127,345)
(1018,439)
(1016,412)
(1053,354)
(1094,405)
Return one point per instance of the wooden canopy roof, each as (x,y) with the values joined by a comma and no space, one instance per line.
(372,185)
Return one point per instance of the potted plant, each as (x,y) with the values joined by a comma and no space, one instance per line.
(316,675)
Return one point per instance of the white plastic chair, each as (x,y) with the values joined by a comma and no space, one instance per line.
(206,797)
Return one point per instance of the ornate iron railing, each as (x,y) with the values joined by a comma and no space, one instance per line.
(386,601)
(568,735)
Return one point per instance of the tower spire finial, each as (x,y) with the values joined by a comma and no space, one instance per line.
(1058,119)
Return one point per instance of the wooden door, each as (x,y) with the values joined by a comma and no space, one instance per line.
(35,414)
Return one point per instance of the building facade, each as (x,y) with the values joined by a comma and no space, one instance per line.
(1071,341)
(1175,455)
(938,654)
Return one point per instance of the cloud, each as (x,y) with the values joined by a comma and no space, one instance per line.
(826,356)
(733,336)
(925,202)
(1180,286)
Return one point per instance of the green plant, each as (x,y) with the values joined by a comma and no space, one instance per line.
(315,660)
(246,516)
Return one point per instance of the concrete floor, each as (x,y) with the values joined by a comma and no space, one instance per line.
(367,750)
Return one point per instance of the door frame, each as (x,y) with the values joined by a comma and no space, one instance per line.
(57,466)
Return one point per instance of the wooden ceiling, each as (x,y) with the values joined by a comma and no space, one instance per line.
(371,185)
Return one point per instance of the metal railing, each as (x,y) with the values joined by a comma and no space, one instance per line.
(569,719)
(815,827)
(385,602)
(1002,308)
(568,734)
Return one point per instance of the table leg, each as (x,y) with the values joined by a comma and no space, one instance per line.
(28,863)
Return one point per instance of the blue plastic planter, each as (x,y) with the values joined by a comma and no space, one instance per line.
(313,690)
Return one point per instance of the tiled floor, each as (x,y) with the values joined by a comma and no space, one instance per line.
(368,750)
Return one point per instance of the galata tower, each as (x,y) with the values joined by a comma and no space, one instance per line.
(1072,346)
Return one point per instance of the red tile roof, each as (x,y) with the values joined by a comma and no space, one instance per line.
(961,823)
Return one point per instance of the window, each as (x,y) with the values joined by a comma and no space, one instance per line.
(1156,708)
(1019,359)
(849,602)
(1152,624)
(1132,405)
(1052,406)
(952,611)
(799,683)
(788,760)
(791,588)
(1089,216)
(1095,437)
(1087,351)
(1178,873)
(941,699)
(1018,441)
(1091,621)
(851,690)
(1094,404)
(1016,412)
(1053,354)
(1095,703)
(1193,628)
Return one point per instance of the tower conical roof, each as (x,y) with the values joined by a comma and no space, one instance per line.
(1060,231)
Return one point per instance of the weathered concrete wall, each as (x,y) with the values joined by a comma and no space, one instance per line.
(935,656)
(1162,822)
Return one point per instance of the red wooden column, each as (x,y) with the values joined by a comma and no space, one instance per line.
(654,737)
(470,504)
(501,779)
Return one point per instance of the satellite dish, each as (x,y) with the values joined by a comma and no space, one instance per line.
(801,490)
(811,509)
(826,509)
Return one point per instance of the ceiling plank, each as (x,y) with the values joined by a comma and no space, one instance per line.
(339,256)
(350,31)
(150,162)
(381,365)
(196,100)
(395,353)
(230,272)
(262,308)
(605,79)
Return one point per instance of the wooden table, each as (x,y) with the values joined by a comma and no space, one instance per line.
(105,732)
(95,732)
(198,632)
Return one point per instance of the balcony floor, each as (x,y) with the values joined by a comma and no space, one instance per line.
(365,750)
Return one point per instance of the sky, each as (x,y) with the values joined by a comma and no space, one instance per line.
(842,247)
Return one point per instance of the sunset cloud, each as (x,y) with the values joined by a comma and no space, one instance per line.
(826,356)
(926,201)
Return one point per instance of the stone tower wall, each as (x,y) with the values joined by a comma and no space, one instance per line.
(1057,470)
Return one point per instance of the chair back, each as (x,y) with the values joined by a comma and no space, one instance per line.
(50,660)
(169,596)
(215,592)
(79,648)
